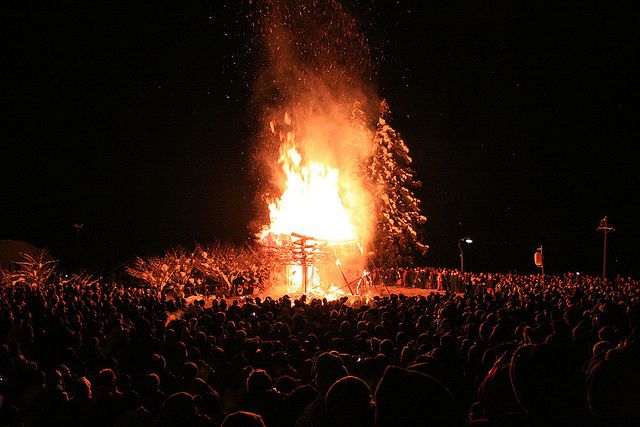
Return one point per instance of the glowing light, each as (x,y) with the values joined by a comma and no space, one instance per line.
(311,203)
(314,287)
(316,200)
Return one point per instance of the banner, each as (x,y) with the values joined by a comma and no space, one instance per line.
(538,258)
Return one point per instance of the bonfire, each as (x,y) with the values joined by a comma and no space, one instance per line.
(311,221)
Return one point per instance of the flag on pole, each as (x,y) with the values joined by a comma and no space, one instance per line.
(538,258)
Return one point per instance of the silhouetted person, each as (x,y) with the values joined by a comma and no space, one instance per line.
(348,403)
(243,419)
(547,385)
(410,398)
(179,409)
(80,405)
(328,368)
(262,398)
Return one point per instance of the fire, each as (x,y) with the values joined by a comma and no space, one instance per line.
(311,203)
(318,70)
(314,287)
(314,211)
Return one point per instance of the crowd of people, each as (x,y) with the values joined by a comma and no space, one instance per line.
(444,279)
(525,351)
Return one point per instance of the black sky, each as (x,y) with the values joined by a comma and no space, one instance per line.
(138,122)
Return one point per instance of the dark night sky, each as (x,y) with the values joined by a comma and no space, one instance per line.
(138,122)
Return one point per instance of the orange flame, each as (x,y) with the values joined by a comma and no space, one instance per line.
(314,286)
(313,196)
(311,203)
(317,201)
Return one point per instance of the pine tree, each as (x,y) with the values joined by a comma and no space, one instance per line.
(398,216)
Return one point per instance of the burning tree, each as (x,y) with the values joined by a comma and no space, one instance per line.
(392,181)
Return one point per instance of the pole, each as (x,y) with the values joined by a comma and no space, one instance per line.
(542,256)
(606,229)
(304,274)
(604,256)
(302,244)
(461,256)
(344,277)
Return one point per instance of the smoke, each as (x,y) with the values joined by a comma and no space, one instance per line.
(312,48)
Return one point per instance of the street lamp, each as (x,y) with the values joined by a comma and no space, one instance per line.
(606,228)
(465,240)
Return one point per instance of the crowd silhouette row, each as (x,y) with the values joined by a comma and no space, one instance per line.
(513,350)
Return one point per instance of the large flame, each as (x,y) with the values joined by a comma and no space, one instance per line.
(317,202)
(311,203)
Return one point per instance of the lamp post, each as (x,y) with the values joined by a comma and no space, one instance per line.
(465,240)
(605,228)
